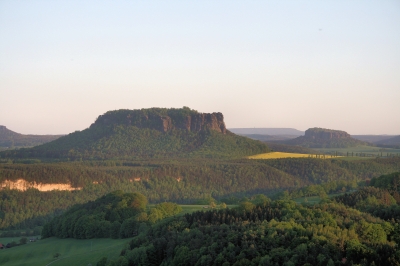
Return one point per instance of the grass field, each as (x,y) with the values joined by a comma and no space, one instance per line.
(5,240)
(73,252)
(316,199)
(280,155)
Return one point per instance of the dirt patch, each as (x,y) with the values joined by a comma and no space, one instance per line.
(23,185)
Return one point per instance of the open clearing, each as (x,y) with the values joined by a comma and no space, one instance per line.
(281,155)
(315,199)
(72,252)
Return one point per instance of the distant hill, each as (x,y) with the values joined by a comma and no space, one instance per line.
(269,137)
(149,133)
(267,131)
(324,138)
(290,148)
(11,140)
(372,138)
(392,142)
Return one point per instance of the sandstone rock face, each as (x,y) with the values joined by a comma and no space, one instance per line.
(164,120)
(214,121)
(325,134)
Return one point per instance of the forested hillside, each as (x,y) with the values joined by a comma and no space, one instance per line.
(115,215)
(146,134)
(273,233)
(381,198)
(183,181)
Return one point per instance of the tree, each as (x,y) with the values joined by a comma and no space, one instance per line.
(23,240)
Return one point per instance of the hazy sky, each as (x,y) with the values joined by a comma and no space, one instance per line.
(299,64)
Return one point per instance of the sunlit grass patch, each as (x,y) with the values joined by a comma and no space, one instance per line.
(280,155)
(71,252)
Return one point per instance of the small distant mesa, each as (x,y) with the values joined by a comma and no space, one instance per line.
(325,138)
(325,134)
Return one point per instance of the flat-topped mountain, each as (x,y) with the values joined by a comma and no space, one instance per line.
(149,133)
(325,134)
(11,139)
(325,138)
(164,120)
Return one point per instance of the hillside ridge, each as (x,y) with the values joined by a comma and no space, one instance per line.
(11,139)
(148,133)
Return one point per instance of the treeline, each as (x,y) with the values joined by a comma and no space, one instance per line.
(378,202)
(114,215)
(181,181)
(390,181)
(274,233)
(321,190)
(320,171)
(32,208)
(289,148)
(381,198)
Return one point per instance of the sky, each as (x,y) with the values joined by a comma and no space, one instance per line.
(264,64)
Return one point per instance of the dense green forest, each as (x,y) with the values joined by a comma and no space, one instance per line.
(271,233)
(180,181)
(381,198)
(114,215)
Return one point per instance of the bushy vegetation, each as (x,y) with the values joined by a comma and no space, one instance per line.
(114,215)
(381,198)
(273,233)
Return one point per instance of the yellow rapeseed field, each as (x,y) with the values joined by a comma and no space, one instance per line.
(279,155)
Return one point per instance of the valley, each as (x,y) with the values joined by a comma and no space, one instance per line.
(94,185)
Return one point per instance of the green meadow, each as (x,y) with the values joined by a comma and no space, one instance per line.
(72,252)
(376,151)
(315,199)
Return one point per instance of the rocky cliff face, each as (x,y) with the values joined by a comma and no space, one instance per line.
(325,134)
(164,119)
